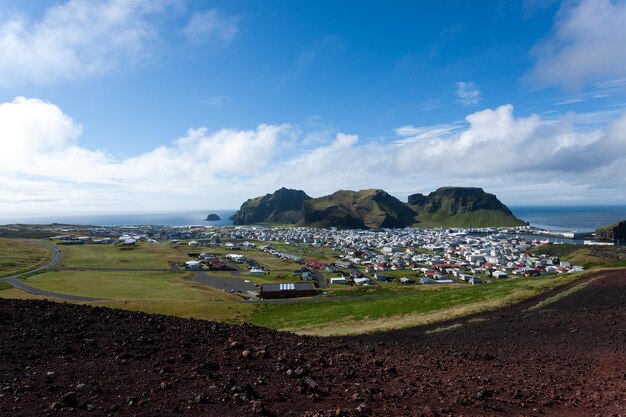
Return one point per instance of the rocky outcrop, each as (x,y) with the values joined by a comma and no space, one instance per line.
(212,218)
(283,206)
(615,231)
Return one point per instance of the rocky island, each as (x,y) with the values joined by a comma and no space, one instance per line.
(374,208)
(212,218)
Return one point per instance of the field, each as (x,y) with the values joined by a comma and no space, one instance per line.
(346,316)
(383,306)
(155,292)
(19,256)
(142,256)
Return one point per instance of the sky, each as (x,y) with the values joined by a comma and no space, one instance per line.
(158,105)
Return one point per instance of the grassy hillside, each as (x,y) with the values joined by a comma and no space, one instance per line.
(479,218)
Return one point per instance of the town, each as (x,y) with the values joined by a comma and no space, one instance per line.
(366,258)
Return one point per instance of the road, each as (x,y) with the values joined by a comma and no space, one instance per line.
(228,284)
(56,257)
(322,284)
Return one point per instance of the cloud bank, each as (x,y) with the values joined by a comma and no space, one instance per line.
(42,162)
(587,43)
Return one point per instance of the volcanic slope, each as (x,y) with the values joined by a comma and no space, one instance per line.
(567,358)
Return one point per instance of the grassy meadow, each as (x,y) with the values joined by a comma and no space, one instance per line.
(346,316)
(141,256)
(17,256)
(154,292)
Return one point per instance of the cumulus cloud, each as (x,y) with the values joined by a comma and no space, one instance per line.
(212,26)
(587,43)
(42,163)
(467,93)
(76,38)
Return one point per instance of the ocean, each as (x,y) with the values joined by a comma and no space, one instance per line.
(170,218)
(570,218)
(563,218)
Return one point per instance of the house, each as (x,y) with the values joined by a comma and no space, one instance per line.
(256,271)
(500,274)
(338,280)
(193,265)
(381,277)
(362,281)
(406,281)
(474,280)
(306,276)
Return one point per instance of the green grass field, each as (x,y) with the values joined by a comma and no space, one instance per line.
(155,292)
(144,255)
(344,317)
(17,256)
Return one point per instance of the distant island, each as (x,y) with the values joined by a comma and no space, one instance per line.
(375,208)
(212,218)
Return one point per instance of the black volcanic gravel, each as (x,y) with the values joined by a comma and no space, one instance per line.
(566,359)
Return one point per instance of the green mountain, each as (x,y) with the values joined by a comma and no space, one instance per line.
(446,207)
(461,207)
(357,210)
(283,206)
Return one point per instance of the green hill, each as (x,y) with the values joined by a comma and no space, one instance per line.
(374,208)
(461,207)
(357,210)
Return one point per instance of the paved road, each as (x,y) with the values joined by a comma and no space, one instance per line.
(56,257)
(225,283)
(321,281)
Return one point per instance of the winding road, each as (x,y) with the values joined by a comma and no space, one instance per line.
(56,257)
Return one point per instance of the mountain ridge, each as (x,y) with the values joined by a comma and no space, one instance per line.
(375,208)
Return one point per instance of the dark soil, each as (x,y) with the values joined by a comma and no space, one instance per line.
(566,359)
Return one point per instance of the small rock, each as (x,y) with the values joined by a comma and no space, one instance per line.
(247,354)
(258,407)
(201,399)
(91,407)
(310,383)
(70,399)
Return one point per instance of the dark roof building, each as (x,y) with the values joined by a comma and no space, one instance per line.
(288,290)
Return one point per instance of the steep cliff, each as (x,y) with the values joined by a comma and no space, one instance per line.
(282,206)
(615,231)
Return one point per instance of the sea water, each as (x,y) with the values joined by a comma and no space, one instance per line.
(563,218)
(570,218)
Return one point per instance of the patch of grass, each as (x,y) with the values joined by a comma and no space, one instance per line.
(152,292)
(144,255)
(444,329)
(17,256)
(5,286)
(344,317)
(561,295)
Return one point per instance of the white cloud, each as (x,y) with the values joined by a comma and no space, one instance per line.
(587,44)
(44,166)
(76,38)
(212,26)
(467,93)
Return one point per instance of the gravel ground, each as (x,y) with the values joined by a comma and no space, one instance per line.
(565,359)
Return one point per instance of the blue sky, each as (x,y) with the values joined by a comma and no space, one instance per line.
(139,105)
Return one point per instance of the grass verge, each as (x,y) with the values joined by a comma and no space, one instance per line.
(345,317)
